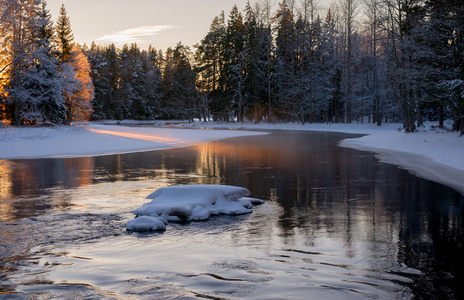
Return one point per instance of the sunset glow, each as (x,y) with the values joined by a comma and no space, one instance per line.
(137,136)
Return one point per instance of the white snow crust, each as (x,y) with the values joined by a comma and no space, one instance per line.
(191,203)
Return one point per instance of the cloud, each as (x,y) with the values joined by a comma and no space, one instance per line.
(133,35)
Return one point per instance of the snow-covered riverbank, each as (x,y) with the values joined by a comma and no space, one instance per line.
(443,146)
(96,139)
(432,153)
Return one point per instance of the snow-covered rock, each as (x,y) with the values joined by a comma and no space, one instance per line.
(146,223)
(191,203)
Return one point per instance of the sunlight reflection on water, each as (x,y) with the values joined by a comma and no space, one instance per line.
(222,257)
(337,224)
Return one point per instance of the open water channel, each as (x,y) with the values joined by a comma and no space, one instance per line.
(337,224)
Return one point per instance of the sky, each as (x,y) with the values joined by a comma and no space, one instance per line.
(161,23)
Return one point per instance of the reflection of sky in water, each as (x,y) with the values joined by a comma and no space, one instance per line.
(338,223)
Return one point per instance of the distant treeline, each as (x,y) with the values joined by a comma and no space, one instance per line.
(359,60)
(374,60)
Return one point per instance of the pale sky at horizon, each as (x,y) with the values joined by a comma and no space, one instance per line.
(161,23)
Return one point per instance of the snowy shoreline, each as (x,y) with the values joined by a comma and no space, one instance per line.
(95,139)
(432,153)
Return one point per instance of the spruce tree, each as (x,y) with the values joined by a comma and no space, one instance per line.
(209,66)
(44,79)
(78,89)
(179,84)
(64,35)
(441,59)
(235,62)
(152,80)
(286,61)
(251,89)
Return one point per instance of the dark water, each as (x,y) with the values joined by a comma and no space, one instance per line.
(337,224)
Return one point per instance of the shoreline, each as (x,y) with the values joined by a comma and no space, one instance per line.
(431,153)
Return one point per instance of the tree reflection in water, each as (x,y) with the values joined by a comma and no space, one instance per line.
(371,209)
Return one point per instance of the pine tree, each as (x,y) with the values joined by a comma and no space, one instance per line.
(105,72)
(268,61)
(64,34)
(134,64)
(112,101)
(209,60)
(153,81)
(252,89)
(78,89)
(99,74)
(179,84)
(44,79)
(289,106)
(234,65)
(258,46)
(126,93)
(401,21)
(441,59)
(330,86)
(308,30)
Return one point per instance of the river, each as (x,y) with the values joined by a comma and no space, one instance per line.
(337,224)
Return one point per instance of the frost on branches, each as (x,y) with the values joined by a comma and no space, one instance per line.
(36,85)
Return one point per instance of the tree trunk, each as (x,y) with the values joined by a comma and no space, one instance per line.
(441,117)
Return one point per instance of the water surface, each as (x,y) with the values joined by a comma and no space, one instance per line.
(337,224)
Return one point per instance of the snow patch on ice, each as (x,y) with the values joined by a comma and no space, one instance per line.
(191,203)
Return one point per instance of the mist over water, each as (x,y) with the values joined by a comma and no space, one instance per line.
(337,224)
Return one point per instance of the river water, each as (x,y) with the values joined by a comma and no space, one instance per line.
(337,224)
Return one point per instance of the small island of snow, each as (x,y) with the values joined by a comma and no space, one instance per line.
(191,203)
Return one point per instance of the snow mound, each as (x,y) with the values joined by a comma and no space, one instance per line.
(191,203)
(146,223)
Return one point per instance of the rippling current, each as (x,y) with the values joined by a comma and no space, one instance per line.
(337,224)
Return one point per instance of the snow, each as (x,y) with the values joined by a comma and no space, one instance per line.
(355,128)
(190,203)
(432,153)
(443,147)
(146,223)
(98,139)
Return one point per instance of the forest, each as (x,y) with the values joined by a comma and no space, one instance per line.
(355,61)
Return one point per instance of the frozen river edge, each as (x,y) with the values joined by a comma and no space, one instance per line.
(431,153)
